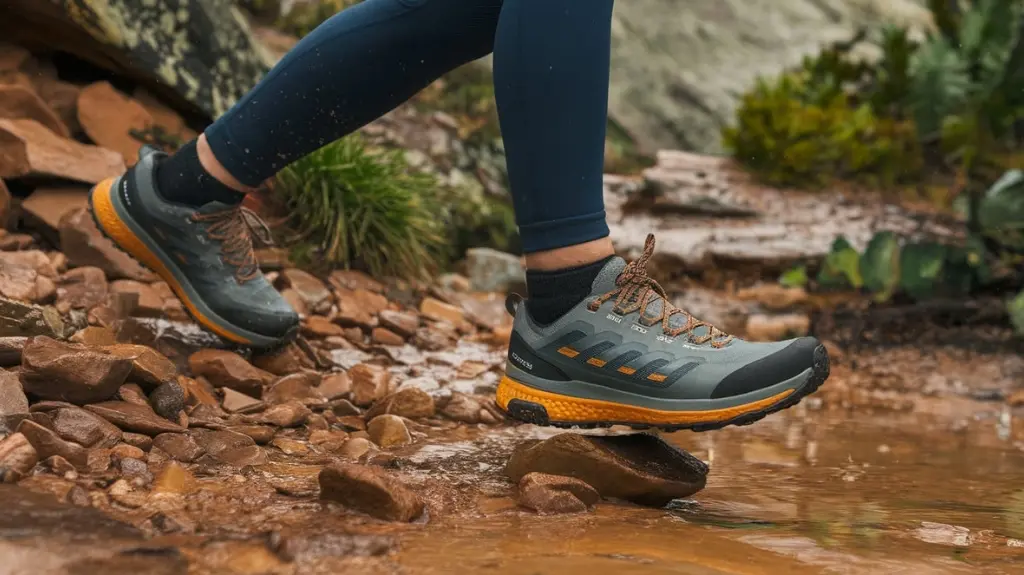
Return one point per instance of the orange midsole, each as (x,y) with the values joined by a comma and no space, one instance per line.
(564,408)
(117,231)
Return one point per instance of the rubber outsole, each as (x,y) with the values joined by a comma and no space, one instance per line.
(146,259)
(530,405)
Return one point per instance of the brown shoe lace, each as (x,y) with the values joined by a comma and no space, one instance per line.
(234,228)
(636,290)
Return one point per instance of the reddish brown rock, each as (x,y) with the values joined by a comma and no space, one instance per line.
(462,407)
(17,102)
(62,98)
(369,383)
(291,414)
(150,304)
(23,283)
(198,391)
(335,385)
(261,434)
(353,315)
(132,393)
(131,417)
(230,448)
(34,259)
(29,148)
(301,387)
(388,431)
(353,280)
(383,336)
(59,371)
(318,326)
(555,493)
(48,205)
(10,350)
(94,336)
(125,451)
(81,288)
(313,293)
(5,204)
(371,491)
(438,310)
(13,403)
(84,245)
(180,446)
(237,402)
(143,442)
(17,456)
(295,300)
(166,118)
(47,443)
(356,447)
(84,428)
(408,402)
(149,367)
(108,118)
(403,324)
(287,360)
(226,369)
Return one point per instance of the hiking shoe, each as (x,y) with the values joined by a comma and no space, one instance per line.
(204,254)
(625,355)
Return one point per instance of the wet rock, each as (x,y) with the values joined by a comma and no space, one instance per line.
(173,479)
(462,407)
(382,336)
(370,491)
(230,448)
(235,402)
(641,468)
(329,441)
(132,393)
(60,466)
(355,448)
(343,407)
(198,391)
(131,417)
(289,414)
(47,443)
(290,446)
(369,383)
(334,385)
(313,293)
(20,102)
(149,303)
(403,324)
(285,361)
(261,434)
(84,428)
(408,402)
(55,370)
(180,446)
(226,369)
(18,319)
(13,403)
(108,117)
(354,280)
(301,387)
(143,442)
(125,451)
(389,431)
(438,310)
(555,493)
(352,422)
(318,326)
(17,457)
(81,288)
(84,245)
(493,271)
(28,148)
(168,400)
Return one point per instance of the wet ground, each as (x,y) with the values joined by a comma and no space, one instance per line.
(805,491)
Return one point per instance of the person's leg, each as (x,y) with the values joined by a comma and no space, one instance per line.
(180,215)
(597,342)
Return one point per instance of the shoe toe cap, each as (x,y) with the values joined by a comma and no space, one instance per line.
(772,369)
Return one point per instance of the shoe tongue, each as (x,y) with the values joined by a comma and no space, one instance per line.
(605,280)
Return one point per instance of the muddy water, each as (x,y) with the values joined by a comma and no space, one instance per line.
(797,493)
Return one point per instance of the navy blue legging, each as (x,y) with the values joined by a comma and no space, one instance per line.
(551,67)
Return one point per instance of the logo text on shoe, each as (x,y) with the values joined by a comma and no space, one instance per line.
(638,328)
(614,318)
(522,361)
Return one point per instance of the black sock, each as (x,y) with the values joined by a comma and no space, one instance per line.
(181,178)
(553,293)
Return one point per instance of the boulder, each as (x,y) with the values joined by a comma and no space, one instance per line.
(65,372)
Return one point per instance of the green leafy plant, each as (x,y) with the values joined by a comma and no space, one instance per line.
(841,268)
(352,206)
(1016,310)
(880,265)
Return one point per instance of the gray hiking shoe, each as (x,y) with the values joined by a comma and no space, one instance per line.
(625,355)
(204,254)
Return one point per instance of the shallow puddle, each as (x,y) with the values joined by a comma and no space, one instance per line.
(797,493)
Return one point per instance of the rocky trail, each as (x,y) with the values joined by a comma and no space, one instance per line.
(131,441)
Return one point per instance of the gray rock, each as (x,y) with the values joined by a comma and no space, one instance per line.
(492,270)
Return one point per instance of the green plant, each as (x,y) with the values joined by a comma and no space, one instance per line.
(349,205)
(1016,310)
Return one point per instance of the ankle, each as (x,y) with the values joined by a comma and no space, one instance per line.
(570,256)
(214,168)
(185,179)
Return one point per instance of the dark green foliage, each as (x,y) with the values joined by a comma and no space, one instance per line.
(880,265)
(352,206)
(841,268)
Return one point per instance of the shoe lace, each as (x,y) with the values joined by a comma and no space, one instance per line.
(235,228)
(635,291)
